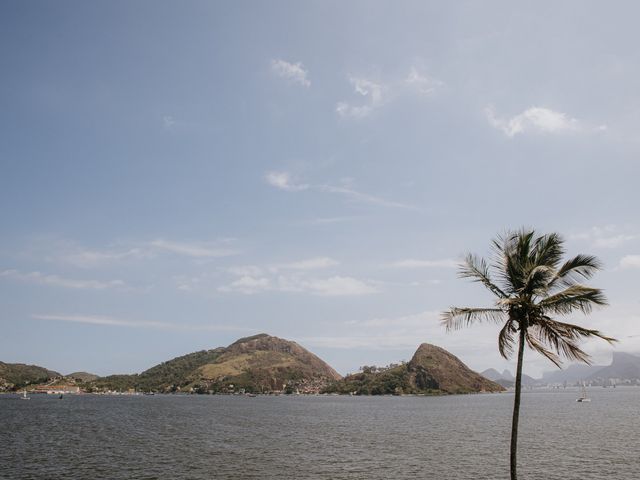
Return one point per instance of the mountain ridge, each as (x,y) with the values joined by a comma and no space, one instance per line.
(431,370)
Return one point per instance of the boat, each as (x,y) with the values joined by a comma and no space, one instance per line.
(583,397)
(24,396)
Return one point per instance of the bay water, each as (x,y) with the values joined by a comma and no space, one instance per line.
(320,437)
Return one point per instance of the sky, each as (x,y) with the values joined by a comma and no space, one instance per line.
(176,175)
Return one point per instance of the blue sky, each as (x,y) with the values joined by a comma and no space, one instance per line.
(175,175)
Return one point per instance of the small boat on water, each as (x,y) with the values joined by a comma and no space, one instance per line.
(24,396)
(583,397)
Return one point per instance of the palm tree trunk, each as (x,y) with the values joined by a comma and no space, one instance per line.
(516,405)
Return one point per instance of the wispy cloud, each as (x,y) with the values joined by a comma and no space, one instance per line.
(423,83)
(338,286)
(88,258)
(309,264)
(118,322)
(363,197)
(70,253)
(312,263)
(284,181)
(168,122)
(537,119)
(374,94)
(191,249)
(328,220)
(610,236)
(416,263)
(292,72)
(248,285)
(293,277)
(373,97)
(630,261)
(331,287)
(58,281)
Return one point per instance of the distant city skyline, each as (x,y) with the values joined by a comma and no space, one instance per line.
(174,176)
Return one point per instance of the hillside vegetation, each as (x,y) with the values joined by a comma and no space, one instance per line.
(432,370)
(258,364)
(17,375)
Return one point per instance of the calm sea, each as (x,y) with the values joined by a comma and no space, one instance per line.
(298,437)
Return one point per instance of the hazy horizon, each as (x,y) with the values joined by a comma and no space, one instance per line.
(175,176)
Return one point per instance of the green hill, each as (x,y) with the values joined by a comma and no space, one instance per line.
(17,375)
(432,370)
(260,363)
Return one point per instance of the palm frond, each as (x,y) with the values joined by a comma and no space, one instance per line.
(523,242)
(574,332)
(505,339)
(456,318)
(575,297)
(561,340)
(507,262)
(537,344)
(477,270)
(548,250)
(537,282)
(581,267)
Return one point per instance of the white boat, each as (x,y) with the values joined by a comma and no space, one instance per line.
(24,396)
(583,397)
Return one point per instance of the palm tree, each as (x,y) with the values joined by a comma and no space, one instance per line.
(531,285)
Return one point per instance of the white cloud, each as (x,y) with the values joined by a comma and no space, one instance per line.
(608,236)
(198,250)
(363,197)
(630,261)
(373,98)
(415,263)
(339,286)
(328,220)
(57,281)
(613,241)
(375,94)
(533,119)
(87,258)
(117,322)
(247,285)
(70,253)
(293,72)
(332,286)
(309,264)
(284,181)
(422,83)
(168,122)
(249,270)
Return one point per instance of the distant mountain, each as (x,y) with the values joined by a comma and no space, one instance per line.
(17,375)
(572,374)
(506,374)
(624,366)
(492,374)
(507,380)
(431,370)
(260,363)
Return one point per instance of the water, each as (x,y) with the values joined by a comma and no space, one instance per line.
(218,437)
